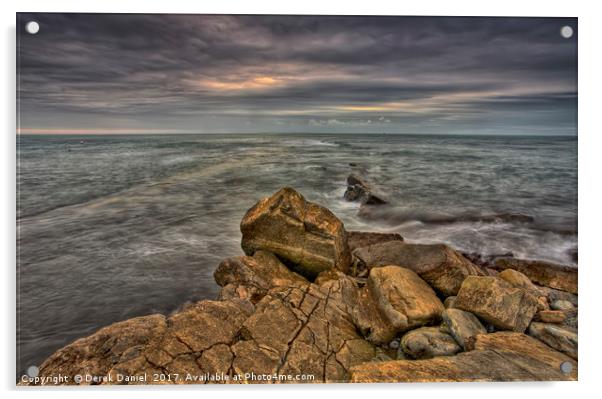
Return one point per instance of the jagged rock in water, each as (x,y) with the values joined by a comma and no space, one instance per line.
(440,266)
(360,190)
(463,326)
(304,235)
(497,302)
(428,342)
(551,275)
(560,338)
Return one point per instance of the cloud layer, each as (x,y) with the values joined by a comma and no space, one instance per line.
(214,73)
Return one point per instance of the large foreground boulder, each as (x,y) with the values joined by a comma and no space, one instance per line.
(304,235)
(497,302)
(442,267)
(551,275)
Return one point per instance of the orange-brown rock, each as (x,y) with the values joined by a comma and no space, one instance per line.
(551,275)
(306,236)
(497,302)
(403,298)
(523,344)
(441,267)
(477,365)
(550,316)
(561,338)
(251,277)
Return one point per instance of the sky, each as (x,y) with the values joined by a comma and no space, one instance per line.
(151,73)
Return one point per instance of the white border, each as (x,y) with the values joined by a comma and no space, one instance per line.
(589,180)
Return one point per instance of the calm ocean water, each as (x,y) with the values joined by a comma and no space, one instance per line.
(112,227)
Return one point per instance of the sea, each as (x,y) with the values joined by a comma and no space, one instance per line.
(117,226)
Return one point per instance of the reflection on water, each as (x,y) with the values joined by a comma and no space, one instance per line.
(121,226)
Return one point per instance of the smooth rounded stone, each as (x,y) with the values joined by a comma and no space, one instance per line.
(394,344)
(358,239)
(428,342)
(463,326)
(403,298)
(560,338)
(523,344)
(550,316)
(449,302)
(561,305)
(306,236)
(497,302)
(551,275)
(440,266)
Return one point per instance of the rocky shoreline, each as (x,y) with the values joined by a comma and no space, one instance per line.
(312,299)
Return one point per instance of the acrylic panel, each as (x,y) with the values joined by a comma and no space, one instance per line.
(295,199)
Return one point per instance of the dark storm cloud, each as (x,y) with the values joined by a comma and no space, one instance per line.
(297,73)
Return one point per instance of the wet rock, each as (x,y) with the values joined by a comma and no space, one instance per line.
(358,189)
(543,273)
(428,342)
(560,338)
(439,265)
(523,344)
(497,302)
(403,298)
(358,239)
(550,316)
(304,235)
(477,365)
(463,326)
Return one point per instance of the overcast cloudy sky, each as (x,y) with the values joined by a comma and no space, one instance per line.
(208,73)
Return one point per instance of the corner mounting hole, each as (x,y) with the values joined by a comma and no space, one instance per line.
(32,27)
(566,32)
